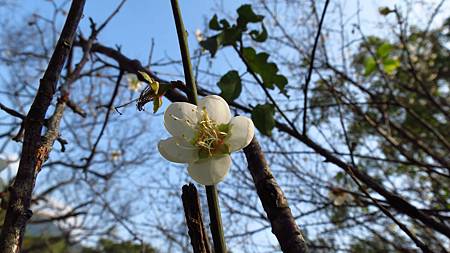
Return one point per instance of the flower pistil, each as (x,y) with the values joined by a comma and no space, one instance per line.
(210,137)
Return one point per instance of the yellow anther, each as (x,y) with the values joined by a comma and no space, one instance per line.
(209,138)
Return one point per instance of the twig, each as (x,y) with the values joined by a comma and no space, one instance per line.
(311,67)
(76,108)
(12,112)
(106,120)
(418,242)
(109,18)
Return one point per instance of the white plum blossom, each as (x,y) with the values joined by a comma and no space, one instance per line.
(199,35)
(116,155)
(204,136)
(133,83)
(339,197)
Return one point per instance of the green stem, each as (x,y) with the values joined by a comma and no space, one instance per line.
(184,48)
(211,190)
(216,219)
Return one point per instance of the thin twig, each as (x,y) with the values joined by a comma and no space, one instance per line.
(106,120)
(311,67)
(109,18)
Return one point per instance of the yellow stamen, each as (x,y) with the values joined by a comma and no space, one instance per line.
(209,138)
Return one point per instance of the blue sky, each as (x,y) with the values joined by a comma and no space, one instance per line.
(139,21)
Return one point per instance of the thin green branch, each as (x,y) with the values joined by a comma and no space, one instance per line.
(184,48)
(211,190)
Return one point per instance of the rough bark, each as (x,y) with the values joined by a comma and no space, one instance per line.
(33,152)
(194,221)
(274,202)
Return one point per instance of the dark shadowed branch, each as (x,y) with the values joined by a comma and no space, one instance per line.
(194,220)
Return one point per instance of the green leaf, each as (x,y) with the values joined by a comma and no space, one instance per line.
(230,85)
(224,23)
(369,66)
(230,36)
(145,76)
(214,23)
(281,82)
(259,36)
(268,73)
(263,117)
(154,85)
(211,44)
(157,102)
(390,65)
(384,50)
(339,176)
(384,11)
(246,15)
(267,70)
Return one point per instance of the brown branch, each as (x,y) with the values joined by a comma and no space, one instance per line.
(396,102)
(11,111)
(62,217)
(76,108)
(194,221)
(274,202)
(55,120)
(33,153)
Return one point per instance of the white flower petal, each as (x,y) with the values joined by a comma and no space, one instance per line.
(210,171)
(177,151)
(217,108)
(241,133)
(180,119)
(339,200)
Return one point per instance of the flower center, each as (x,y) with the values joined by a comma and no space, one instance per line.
(210,137)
